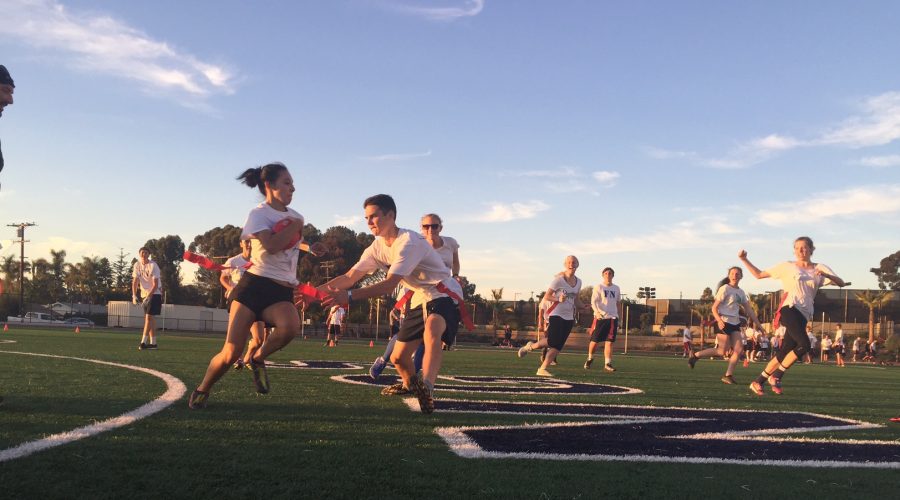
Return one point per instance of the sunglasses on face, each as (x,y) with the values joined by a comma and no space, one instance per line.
(431,226)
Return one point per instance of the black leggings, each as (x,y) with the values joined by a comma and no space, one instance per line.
(795,338)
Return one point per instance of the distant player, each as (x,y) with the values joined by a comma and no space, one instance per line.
(730,301)
(334,321)
(563,295)
(229,278)
(801,280)
(146,278)
(607,311)
(839,346)
(686,342)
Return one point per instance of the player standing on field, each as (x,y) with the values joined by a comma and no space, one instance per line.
(607,311)
(145,276)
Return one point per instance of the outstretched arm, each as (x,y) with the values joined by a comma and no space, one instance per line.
(750,267)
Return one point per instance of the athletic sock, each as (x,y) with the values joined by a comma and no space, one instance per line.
(761,379)
(778,373)
(608,360)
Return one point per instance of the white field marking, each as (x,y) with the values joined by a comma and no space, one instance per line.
(304,365)
(175,389)
(513,389)
(8,341)
(465,447)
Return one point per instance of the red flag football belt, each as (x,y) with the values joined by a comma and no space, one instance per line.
(463,312)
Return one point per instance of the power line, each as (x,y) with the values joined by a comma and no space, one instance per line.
(20,233)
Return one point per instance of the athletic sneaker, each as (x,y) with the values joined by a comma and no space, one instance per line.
(152,346)
(692,360)
(260,376)
(377,367)
(424,392)
(239,364)
(543,373)
(553,363)
(142,346)
(197,401)
(395,390)
(525,349)
(776,384)
(609,367)
(588,363)
(756,388)
(729,379)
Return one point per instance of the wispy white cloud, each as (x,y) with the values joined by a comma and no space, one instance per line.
(854,202)
(348,221)
(103,44)
(568,179)
(396,156)
(704,232)
(605,178)
(561,172)
(880,161)
(451,11)
(877,124)
(505,212)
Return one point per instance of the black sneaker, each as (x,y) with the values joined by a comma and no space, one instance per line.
(260,376)
(142,346)
(198,399)
(424,392)
(692,361)
(588,363)
(609,367)
(152,346)
(728,379)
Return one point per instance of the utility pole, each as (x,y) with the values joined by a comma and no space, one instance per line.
(20,233)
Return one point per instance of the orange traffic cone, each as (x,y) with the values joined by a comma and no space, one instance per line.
(77,329)
(371,343)
(330,343)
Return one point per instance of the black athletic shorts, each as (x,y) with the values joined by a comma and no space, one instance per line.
(604,330)
(413,326)
(558,331)
(334,330)
(729,329)
(153,306)
(258,293)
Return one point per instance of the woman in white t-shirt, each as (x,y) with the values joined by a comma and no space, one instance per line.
(229,278)
(839,345)
(730,301)
(265,292)
(564,301)
(800,280)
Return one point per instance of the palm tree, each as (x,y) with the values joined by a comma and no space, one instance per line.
(496,295)
(704,312)
(873,299)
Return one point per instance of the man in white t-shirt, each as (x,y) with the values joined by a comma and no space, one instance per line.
(145,276)
(410,261)
(607,310)
(686,339)
(335,321)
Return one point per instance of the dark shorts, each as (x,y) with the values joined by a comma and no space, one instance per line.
(604,330)
(729,329)
(258,293)
(154,306)
(839,349)
(558,331)
(413,326)
(334,330)
(795,338)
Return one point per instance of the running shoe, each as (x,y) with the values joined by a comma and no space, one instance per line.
(728,379)
(142,346)
(152,346)
(239,364)
(198,399)
(377,367)
(395,390)
(776,384)
(588,363)
(543,373)
(554,363)
(424,392)
(609,367)
(525,349)
(756,388)
(692,360)
(260,376)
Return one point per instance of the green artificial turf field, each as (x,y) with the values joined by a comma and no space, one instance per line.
(319,438)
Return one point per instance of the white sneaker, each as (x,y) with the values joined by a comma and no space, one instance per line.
(525,349)
(543,373)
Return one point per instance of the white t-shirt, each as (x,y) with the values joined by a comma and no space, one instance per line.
(146,273)
(446,251)
(730,300)
(604,301)
(686,335)
(236,265)
(839,337)
(800,285)
(567,294)
(413,258)
(337,315)
(281,265)
(543,307)
(857,344)
(827,343)
(812,340)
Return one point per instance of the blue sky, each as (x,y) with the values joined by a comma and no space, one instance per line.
(658,138)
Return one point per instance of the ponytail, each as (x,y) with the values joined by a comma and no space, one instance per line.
(259,176)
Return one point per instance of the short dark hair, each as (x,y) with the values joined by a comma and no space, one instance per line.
(143,249)
(382,201)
